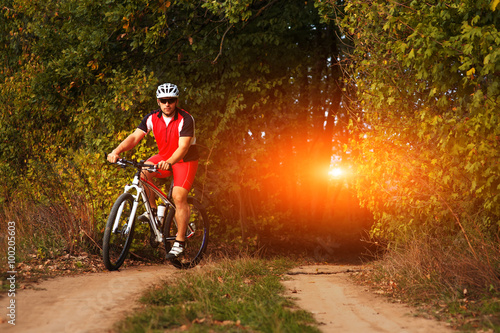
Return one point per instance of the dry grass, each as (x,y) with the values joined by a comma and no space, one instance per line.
(445,277)
(50,229)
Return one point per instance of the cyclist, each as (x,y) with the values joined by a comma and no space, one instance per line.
(174,132)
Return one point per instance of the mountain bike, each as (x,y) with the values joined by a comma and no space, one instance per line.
(123,219)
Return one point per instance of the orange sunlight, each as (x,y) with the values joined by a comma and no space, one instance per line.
(336,172)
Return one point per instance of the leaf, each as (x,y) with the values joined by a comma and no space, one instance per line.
(494,4)
(411,55)
(471,71)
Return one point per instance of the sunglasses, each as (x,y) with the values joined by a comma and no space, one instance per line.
(167,100)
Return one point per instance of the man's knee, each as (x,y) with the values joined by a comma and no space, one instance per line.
(180,194)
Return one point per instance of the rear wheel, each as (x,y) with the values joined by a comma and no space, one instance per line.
(116,243)
(196,235)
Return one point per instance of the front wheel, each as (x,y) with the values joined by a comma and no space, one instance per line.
(196,235)
(116,241)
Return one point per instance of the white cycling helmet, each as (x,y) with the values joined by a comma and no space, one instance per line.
(167,90)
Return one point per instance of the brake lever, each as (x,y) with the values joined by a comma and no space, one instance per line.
(153,168)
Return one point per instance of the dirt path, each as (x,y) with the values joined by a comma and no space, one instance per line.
(93,302)
(341,306)
(84,303)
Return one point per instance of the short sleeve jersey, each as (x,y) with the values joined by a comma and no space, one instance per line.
(168,130)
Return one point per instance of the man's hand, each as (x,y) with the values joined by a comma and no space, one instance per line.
(113,157)
(164,165)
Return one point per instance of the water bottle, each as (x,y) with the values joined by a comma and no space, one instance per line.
(161,212)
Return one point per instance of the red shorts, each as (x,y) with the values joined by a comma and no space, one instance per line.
(184,172)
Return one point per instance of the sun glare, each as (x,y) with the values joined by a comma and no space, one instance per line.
(336,172)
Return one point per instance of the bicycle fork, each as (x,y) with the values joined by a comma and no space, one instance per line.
(130,219)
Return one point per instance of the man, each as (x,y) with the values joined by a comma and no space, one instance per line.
(173,129)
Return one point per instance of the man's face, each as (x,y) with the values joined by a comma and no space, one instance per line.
(167,105)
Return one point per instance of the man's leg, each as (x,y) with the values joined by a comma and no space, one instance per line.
(184,174)
(180,196)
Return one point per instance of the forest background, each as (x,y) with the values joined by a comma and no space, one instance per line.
(401,96)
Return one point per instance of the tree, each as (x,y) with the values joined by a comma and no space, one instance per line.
(262,79)
(428,84)
(288,119)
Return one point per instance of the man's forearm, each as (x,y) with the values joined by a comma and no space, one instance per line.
(130,142)
(178,155)
(125,145)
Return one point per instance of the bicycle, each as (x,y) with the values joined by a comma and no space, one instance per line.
(120,226)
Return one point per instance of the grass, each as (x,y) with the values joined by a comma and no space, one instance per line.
(444,279)
(237,295)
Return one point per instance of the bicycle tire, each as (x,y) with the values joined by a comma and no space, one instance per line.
(115,246)
(196,244)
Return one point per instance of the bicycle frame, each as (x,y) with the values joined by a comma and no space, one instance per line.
(138,185)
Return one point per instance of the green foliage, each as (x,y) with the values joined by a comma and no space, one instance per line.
(65,87)
(428,87)
(234,10)
(262,80)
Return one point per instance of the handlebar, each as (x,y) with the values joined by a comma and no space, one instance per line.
(140,165)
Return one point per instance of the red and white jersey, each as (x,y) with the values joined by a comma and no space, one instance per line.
(168,130)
